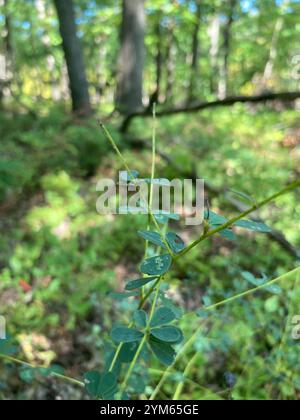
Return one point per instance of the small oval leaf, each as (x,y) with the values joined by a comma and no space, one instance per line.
(125,335)
(168,334)
(140,318)
(156,265)
(255,226)
(162,316)
(163,351)
(152,237)
(175,242)
(136,284)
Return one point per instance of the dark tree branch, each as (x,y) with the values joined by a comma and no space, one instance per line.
(281,96)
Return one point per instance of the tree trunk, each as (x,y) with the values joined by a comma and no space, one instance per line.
(214,33)
(6,59)
(74,57)
(155,97)
(268,71)
(223,83)
(170,59)
(131,57)
(195,55)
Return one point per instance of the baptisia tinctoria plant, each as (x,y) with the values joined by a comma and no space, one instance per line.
(153,331)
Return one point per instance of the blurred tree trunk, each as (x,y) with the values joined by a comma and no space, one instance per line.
(195,54)
(155,97)
(6,59)
(268,71)
(50,59)
(131,57)
(223,83)
(74,57)
(214,33)
(170,60)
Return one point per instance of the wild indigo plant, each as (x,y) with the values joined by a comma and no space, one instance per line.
(153,329)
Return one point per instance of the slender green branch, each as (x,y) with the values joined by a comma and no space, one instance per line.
(186,347)
(232,221)
(186,373)
(141,305)
(27,364)
(151,182)
(132,364)
(140,348)
(146,201)
(285,276)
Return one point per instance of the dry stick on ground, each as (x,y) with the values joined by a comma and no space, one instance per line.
(281,96)
(275,235)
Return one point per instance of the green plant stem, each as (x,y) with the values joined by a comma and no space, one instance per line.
(231,222)
(141,305)
(153,160)
(132,364)
(193,337)
(140,348)
(57,375)
(117,150)
(186,373)
(251,291)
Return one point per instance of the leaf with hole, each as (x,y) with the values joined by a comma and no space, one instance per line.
(125,335)
(152,237)
(157,265)
(140,319)
(162,316)
(136,284)
(254,226)
(164,352)
(175,242)
(168,334)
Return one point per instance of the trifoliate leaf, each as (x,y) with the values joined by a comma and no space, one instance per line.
(156,265)
(175,242)
(140,319)
(152,237)
(136,284)
(255,226)
(162,316)
(163,351)
(168,334)
(125,335)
